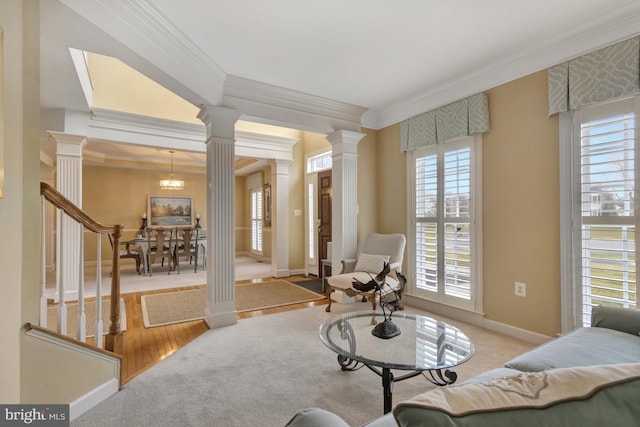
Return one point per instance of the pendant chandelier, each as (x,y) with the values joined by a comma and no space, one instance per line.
(171,183)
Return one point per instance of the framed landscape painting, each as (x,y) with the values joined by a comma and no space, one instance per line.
(170,211)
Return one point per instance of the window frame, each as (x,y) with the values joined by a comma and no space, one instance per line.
(256,196)
(571,199)
(474,303)
(312,168)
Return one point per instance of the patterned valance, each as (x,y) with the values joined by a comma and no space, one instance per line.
(462,118)
(604,75)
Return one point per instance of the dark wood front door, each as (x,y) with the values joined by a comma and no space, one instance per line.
(324,216)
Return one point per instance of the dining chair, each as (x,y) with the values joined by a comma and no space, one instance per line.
(186,246)
(130,251)
(161,245)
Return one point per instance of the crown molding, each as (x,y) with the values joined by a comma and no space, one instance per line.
(289,107)
(127,128)
(250,144)
(105,126)
(159,125)
(618,25)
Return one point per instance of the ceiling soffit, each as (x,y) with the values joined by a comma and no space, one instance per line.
(126,129)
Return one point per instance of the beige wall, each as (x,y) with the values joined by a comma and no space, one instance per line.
(297,234)
(11,205)
(19,208)
(521,207)
(69,380)
(520,204)
(368,191)
(392,183)
(115,195)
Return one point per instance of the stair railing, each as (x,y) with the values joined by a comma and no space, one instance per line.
(114,339)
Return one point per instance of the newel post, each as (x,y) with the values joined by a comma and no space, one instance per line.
(114,340)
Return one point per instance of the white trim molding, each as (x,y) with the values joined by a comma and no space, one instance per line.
(265,103)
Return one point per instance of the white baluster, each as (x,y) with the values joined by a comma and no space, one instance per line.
(62,305)
(43,271)
(99,326)
(81,327)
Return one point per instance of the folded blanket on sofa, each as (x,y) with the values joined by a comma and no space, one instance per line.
(512,399)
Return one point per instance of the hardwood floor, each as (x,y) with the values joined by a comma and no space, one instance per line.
(144,347)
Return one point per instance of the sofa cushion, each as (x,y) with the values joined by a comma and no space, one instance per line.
(316,417)
(618,318)
(584,396)
(387,420)
(581,347)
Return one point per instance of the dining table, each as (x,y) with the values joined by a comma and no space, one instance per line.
(144,244)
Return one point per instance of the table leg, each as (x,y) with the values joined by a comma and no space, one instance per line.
(387,385)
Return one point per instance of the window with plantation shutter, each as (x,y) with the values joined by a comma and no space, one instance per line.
(605,230)
(444,259)
(256,221)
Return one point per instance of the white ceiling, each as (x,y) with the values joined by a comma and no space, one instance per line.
(395,58)
(374,53)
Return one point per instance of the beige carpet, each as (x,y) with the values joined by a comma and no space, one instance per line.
(264,369)
(90,314)
(184,306)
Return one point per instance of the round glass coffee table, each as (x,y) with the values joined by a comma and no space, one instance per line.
(425,346)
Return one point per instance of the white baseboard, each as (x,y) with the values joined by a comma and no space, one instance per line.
(83,403)
(280,273)
(476,319)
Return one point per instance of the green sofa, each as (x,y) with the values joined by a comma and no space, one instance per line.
(588,377)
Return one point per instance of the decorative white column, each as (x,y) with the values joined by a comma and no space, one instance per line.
(280,218)
(344,202)
(69,184)
(221,304)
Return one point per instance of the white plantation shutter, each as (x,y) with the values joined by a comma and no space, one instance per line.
(457,223)
(607,210)
(427,222)
(444,218)
(256,221)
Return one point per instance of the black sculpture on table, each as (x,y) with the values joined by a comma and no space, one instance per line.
(389,301)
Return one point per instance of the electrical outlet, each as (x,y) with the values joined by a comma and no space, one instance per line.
(521,289)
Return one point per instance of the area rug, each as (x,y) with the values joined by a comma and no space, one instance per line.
(184,306)
(314,285)
(90,314)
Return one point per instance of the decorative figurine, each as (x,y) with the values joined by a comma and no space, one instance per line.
(389,301)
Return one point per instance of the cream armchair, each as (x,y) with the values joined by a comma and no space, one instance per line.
(373,251)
